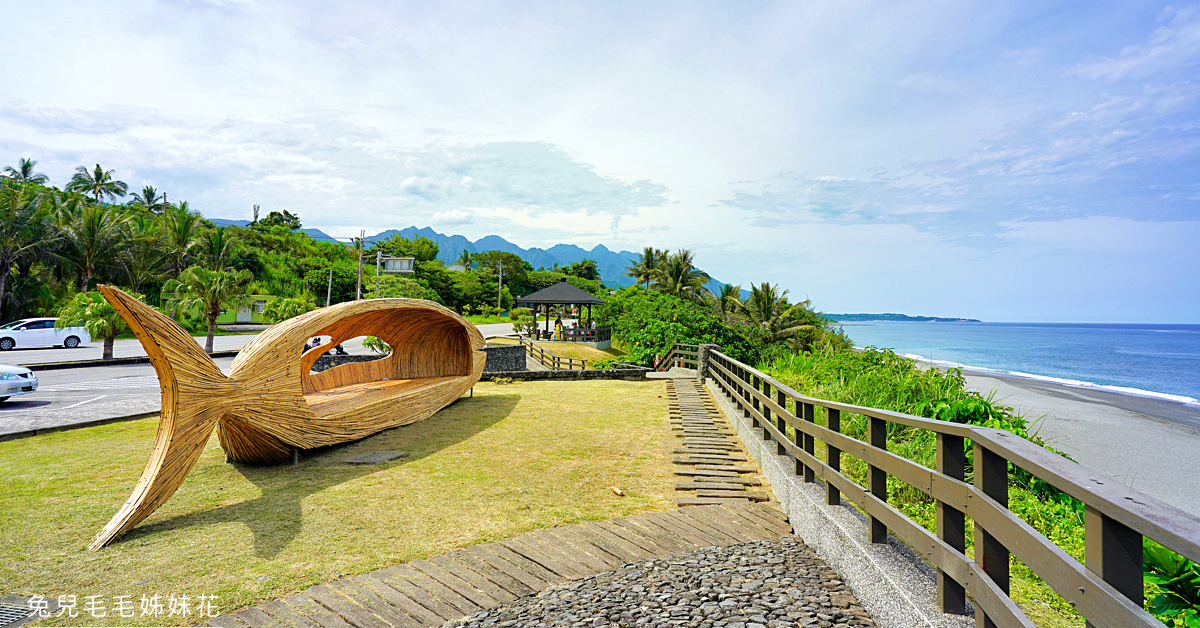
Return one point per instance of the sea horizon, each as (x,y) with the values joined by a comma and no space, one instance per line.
(1158,361)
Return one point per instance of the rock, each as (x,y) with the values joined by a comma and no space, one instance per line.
(760,584)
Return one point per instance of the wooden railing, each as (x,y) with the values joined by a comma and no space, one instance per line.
(1107,591)
(687,356)
(549,360)
(577,334)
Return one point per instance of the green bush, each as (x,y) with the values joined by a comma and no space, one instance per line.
(647,323)
(1175,586)
(398,286)
(279,310)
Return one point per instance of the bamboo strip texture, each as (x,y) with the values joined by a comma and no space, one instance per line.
(270,402)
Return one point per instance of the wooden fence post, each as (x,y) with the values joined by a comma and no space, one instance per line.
(798,438)
(810,473)
(766,410)
(1113,551)
(833,456)
(754,383)
(991,478)
(743,380)
(951,524)
(780,423)
(876,477)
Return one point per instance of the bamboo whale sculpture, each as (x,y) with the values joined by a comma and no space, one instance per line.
(270,402)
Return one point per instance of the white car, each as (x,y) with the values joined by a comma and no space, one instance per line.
(40,332)
(16,380)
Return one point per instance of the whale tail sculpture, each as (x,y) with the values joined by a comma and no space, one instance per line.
(270,403)
(191,406)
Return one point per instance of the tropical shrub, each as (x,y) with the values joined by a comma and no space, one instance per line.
(280,310)
(1175,586)
(91,311)
(398,286)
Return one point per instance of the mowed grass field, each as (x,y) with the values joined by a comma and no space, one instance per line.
(514,458)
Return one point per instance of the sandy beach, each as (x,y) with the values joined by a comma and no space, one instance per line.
(1148,444)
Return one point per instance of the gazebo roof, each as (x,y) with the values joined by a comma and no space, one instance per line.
(560,293)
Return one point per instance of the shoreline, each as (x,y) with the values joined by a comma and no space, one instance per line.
(1145,443)
(1184,414)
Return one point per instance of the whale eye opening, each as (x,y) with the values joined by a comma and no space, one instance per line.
(386,348)
(349,351)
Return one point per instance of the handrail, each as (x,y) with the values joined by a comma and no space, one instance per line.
(550,360)
(576,334)
(1107,590)
(679,355)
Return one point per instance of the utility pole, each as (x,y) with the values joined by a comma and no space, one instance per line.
(329,290)
(378,258)
(358,289)
(499,290)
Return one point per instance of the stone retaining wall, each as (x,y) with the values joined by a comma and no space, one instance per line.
(627,374)
(505,358)
(502,358)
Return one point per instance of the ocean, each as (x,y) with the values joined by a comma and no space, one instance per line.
(1160,361)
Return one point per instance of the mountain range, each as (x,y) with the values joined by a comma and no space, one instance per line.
(610,263)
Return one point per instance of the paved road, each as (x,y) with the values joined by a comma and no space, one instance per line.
(95,350)
(72,396)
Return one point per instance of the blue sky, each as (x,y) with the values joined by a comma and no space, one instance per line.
(1017,161)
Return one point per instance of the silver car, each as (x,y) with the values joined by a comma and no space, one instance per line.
(16,380)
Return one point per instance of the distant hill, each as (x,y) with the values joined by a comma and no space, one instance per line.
(611,264)
(316,234)
(864,318)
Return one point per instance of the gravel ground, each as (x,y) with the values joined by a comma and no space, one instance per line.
(760,584)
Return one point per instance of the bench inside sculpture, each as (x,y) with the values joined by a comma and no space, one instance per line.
(271,402)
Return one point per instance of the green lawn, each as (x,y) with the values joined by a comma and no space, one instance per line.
(481,319)
(514,458)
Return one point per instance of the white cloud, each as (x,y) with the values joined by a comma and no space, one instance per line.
(939,133)
(1173,46)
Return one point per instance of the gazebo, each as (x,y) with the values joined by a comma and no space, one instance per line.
(563,293)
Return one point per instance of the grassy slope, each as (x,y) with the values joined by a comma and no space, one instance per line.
(513,458)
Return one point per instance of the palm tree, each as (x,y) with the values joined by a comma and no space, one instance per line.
(142,254)
(768,309)
(644,268)
(24,173)
(182,228)
(94,237)
(216,247)
(91,311)
(465,258)
(207,292)
(23,229)
(150,199)
(99,183)
(679,277)
(726,302)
